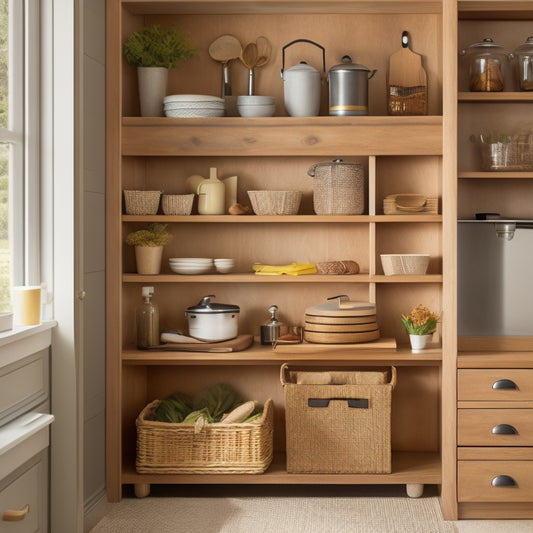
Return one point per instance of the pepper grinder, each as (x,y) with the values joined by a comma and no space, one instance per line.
(272,329)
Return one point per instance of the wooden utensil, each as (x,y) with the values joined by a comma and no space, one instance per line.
(264,51)
(224,49)
(249,60)
(406,82)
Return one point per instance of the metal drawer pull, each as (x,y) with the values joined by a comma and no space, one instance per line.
(12,515)
(504,429)
(361,403)
(504,384)
(503,481)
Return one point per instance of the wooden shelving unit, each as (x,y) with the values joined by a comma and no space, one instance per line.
(399,154)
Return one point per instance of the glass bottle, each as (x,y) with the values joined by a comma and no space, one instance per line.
(147,321)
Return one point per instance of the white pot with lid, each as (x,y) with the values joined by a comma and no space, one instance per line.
(213,322)
(302,85)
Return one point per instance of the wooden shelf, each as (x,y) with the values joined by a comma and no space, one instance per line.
(253,278)
(264,355)
(306,136)
(407,467)
(495,175)
(284,219)
(276,6)
(503,96)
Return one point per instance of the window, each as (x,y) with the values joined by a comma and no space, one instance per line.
(19,146)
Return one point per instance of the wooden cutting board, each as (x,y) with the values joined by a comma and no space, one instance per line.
(233,345)
(383,345)
(406,82)
(341,328)
(340,338)
(366,319)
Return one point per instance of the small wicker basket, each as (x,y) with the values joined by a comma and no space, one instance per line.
(177,204)
(142,202)
(166,448)
(275,202)
(515,155)
(339,188)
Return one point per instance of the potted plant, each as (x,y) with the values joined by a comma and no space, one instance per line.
(153,51)
(420,324)
(149,244)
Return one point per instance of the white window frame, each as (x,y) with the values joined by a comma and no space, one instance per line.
(23,135)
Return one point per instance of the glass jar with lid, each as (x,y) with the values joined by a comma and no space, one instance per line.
(487,65)
(524,65)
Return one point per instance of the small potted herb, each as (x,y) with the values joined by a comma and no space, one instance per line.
(149,245)
(420,324)
(153,51)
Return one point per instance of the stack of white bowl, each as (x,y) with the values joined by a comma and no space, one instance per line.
(193,106)
(256,106)
(191,265)
(224,266)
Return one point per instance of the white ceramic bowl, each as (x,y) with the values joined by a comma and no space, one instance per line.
(224,269)
(191,99)
(194,113)
(394,264)
(260,110)
(256,100)
(193,259)
(224,261)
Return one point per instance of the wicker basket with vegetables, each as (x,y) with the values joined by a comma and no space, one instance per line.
(216,432)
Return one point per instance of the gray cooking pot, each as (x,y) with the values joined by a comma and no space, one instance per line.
(348,88)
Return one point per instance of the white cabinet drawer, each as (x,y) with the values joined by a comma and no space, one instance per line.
(23,502)
(23,385)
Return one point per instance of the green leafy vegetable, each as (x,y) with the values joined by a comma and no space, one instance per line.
(217,399)
(174,408)
(192,417)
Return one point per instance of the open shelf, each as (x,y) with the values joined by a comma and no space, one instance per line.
(302,136)
(407,467)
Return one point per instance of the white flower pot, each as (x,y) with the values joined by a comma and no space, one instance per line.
(152,90)
(419,342)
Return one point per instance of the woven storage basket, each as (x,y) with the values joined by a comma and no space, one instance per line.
(275,202)
(142,202)
(408,100)
(339,188)
(338,428)
(166,448)
(177,204)
(410,204)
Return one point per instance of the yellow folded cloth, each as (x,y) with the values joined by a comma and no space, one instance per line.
(294,269)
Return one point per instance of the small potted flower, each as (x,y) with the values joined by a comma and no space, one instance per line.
(420,324)
(153,51)
(149,244)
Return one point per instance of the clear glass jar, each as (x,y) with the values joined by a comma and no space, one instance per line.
(487,65)
(524,65)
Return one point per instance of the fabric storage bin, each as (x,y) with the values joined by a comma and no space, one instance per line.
(338,421)
(218,448)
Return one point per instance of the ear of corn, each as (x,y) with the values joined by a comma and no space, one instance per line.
(240,413)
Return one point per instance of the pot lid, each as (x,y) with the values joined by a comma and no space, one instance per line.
(342,306)
(312,171)
(348,66)
(526,48)
(206,306)
(301,68)
(486,46)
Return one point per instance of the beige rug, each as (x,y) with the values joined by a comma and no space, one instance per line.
(326,512)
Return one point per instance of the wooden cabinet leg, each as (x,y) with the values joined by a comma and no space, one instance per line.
(142,490)
(414,490)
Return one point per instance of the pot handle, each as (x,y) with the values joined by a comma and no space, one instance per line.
(303,41)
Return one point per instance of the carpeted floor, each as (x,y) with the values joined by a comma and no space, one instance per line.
(277,510)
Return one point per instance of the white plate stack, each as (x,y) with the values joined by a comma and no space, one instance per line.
(193,106)
(191,265)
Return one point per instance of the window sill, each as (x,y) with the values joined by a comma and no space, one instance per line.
(25,340)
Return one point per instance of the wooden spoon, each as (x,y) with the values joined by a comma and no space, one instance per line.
(249,60)
(264,51)
(224,49)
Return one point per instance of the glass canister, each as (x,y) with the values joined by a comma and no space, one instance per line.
(487,65)
(524,65)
